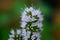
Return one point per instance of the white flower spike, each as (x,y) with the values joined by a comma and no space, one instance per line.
(33,16)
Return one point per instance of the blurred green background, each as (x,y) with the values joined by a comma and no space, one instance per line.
(10,18)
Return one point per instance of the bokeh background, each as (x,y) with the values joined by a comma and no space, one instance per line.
(10,12)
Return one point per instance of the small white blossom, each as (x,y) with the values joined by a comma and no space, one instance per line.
(29,9)
(18,31)
(10,39)
(28,34)
(24,34)
(41,18)
(36,35)
(11,36)
(25,18)
(12,32)
(36,12)
(23,24)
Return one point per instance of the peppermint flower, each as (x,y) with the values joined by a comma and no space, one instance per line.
(32,20)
